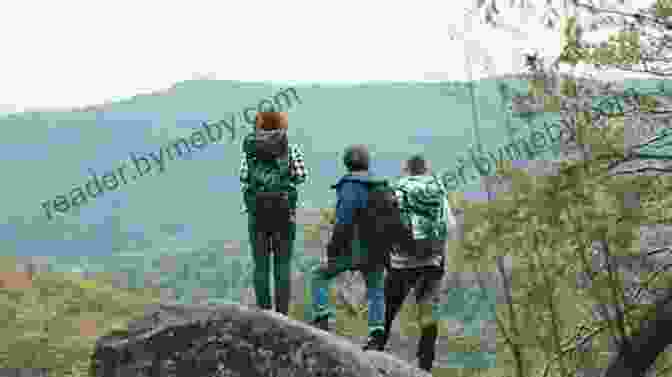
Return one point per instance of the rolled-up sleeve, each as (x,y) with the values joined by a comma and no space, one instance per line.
(450,216)
(299,170)
(243,173)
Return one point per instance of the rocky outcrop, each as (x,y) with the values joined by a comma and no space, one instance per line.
(234,340)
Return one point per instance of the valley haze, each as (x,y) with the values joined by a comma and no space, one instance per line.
(182,146)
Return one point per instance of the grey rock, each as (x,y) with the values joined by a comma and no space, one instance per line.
(234,340)
(351,289)
(388,365)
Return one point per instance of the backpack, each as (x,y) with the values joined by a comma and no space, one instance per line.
(422,209)
(270,145)
(380,225)
(269,165)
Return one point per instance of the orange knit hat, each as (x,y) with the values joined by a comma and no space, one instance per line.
(272,120)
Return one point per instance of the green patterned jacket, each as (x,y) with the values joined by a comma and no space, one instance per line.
(279,175)
(423,200)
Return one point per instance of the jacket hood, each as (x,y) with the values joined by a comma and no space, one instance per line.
(363,178)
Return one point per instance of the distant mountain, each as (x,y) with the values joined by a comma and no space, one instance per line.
(196,200)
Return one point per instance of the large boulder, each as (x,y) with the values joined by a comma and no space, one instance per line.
(234,340)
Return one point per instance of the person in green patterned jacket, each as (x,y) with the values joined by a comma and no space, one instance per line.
(423,201)
(270,171)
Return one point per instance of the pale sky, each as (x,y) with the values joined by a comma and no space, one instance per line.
(71,53)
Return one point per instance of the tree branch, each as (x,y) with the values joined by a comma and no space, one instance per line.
(643,170)
(515,348)
(620,319)
(624,14)
(645,344)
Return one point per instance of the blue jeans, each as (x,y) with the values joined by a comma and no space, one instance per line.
(323,274)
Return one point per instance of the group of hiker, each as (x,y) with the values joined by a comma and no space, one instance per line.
(394,233)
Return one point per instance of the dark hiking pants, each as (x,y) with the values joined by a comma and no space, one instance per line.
(426,282)
(282,243)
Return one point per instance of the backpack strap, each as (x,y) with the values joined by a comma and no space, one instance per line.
(250,168)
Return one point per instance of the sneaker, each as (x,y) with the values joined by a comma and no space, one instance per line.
(322,323)
(375,342)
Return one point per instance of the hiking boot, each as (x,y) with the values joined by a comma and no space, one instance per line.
(376,341)
(282,296)
(322,323)
(426,365)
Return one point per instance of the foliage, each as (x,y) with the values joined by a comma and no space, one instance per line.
(547,225)
(664,8)
(622,47)
(54,321)
(328,216)
(643,43)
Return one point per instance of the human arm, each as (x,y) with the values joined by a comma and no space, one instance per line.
(244,176)
(244,179)
(453,228)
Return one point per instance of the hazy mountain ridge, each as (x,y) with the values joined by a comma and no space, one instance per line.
(57,149)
